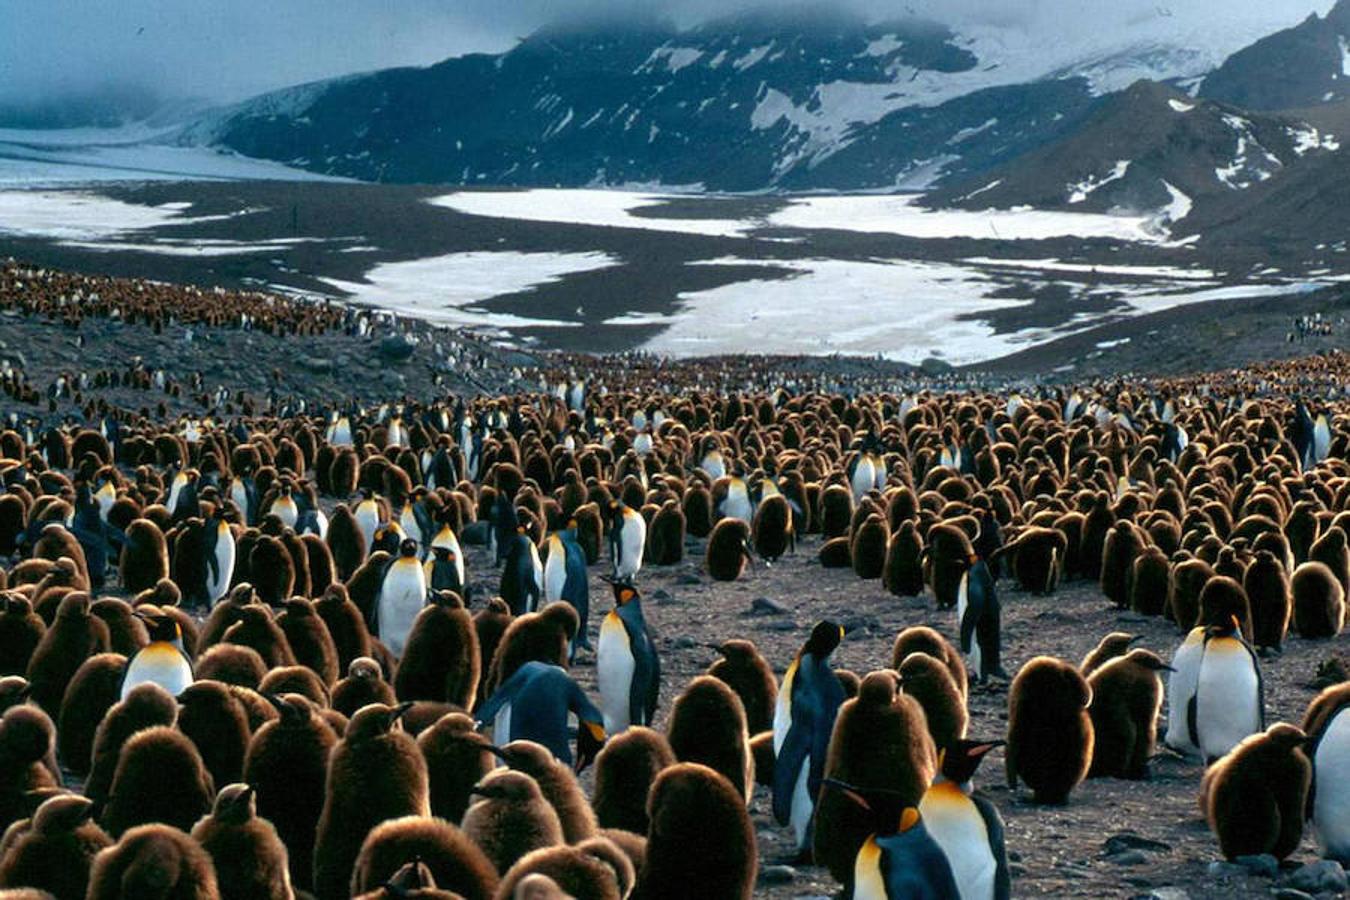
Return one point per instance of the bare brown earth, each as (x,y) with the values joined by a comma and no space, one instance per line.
(1054,851)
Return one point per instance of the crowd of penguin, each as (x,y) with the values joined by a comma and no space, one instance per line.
(245,656)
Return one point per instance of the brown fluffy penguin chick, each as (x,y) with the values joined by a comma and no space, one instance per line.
(772,529)
(1221,599)
(413,881)
(1148,582)
(363,685)
(1188,579)
(903,572)
(93,691)
(452,862)
(249,858)
(665,535)
(160,777)
(27,740)
(543,636)
(56,853)
(21,631)
(880,739)
(295,680)
(1330,549)
(1114,645)
(947,559)
(489,623)
(728,550)
(145,707)
(257,629)
(309,640)
(1037,558)
(1266,585)
(126,633)
(153,861)
(145,557)
(1254,797)
(458,757)
(375,773)
(226,613)
(707,725)
(272,569)
(701,842)
(559,784)
(441,658)
(74,636)
(595,869)
(835,553)
(624,771)
(232,664)
(922,639)
(747,673)
(1127,694)
(929,681)
(761,745)
(868,548)
(1124,543)
(287,764)
(509,817)
(1050,733)
(216,722)
(345,624)
(1319,601)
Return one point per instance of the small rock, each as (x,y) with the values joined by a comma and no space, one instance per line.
(1128,858)
(1325,875)
(683,642)
(316,364)
(1166,893)
(1221,869)
(777,874)
(768,605)
(1014,856)
(781,625)
(661,595)
(1262,864)
(688,578)
(1128,840)
(396,348)
(859,623)
(1291,894)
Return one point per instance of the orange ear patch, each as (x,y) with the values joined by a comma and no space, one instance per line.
(909,818)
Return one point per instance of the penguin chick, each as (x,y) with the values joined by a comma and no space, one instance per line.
(160,777)
(747,673)
(91,693)
(74,636)
(458,757)
(56,853)
(1319,601)
(441,661)
(145,707)
(1050,734)
(624,771)
(922,639)
(881,740)
(707,725)
(1115,644)
(596,868)
(1127,695)
(930,682)
(27,739)
(557,782)
(309,639)
(728,549)
(249,858)
(375,772)
(153,861)
(448,861)
(510,818)
(701,842)
(217,724)
(1254,798)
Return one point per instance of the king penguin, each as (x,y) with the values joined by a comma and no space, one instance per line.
(967,825)
(565,579)
(403,593)
(1327,723)
(627,668)
(627,538)
(1181,684)
(900,860)
(220,557)
(808,701)
(979,620)
(445,564)
(534,705)
(1229,699)
(522,578)
(162,661)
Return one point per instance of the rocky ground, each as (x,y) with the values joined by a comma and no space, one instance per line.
(1114,839)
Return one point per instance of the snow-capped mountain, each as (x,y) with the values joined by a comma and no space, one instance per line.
(1297,67)
(1145,148)
(811,101)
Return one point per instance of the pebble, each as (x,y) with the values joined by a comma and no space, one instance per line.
(1128,840)
(1262,864)
(1222,869)
(688,578)
(683,642)
(1166,893)
(661,595)
(1325,875)
(768,605)
(1128,858)
(777,874)
(1291,894)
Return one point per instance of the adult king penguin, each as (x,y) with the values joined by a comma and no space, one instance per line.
(803,720)
(1229,699)
(627,537)
(967,825)
(162,661)
(627,668)
(534,705)
(900,860)
(565,579)
(403,593)
(979,620)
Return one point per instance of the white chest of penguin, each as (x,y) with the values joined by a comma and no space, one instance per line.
(402,597)
(614,668)
(159,663)
(1227,697)
(955,823)
(1331,773)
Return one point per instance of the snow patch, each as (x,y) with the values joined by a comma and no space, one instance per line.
(755,55)
(80,216)
(1081,191)
(1178,106)
(605,209)
(966,134)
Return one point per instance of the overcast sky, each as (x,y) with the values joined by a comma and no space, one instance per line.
(228,49)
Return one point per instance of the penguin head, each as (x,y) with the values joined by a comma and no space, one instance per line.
(162,628)
(959,761)
(1146,659)
(14,689)
(243,594)
(737,650)
(62,813)
(1224,629)
(624,593)
(508,786)
(590,739)
(236,804)
(411,879)
(74,606)
(886,809)
(294,709)
(825,637)
(1286,736)
(375,720)
(446,599)
(365,668)
(408,548)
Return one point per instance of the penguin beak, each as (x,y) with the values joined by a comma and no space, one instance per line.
(1134,639)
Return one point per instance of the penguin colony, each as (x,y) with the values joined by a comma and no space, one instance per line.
(373,651)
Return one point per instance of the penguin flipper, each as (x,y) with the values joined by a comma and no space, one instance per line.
(1260,685)
(1192,730)
(488,709)
(646,682)
(993,824)
(787,769)
(989,634)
